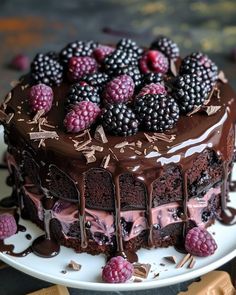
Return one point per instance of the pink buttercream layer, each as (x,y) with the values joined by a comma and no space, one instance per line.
(102,222)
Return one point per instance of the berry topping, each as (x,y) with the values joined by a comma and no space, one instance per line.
(120,89)
(201,65)
(117,60)
(97,80)
(78,93)
(8,226)
(153,88)
(154,61)
(190,91)
(77,48)
(118,119)
(20,62)
(117,270)
(101,52)
(40,98)
(46,69)
(200,242)
(131,47)
(81,116)
(168,47)
(80,66)
(152,78)
(133,72)
(156,112)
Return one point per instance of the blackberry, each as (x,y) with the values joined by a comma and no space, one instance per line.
(156,112)
(77,48)
(78,93)
(118,119)
(133,72)
(150,78)
(130,46)
(97,80)
(190,91)
(46,69)
(201,65)
(118,60)
(167,46)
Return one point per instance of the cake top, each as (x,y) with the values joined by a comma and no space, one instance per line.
(122,103)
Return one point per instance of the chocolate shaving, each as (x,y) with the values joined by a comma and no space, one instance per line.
(171,259)
(6,100)
(192,262)
(137,280)
(122,150)
(43,135)
(222,78)
(165,137)
(183,261)
(74,265)
(139,144)
(156,148)
(194,111)
(9,117)
(138,152)
(208,99)
(90,156)
(83,145)
(37,116)
(81,134)
(173,68)
(100,134)
(113,154)
(211,110)
(97,148)
(149,138)
(121,144)
(141,270)
(106,161)
(14,83)
(156,275)
(3,116)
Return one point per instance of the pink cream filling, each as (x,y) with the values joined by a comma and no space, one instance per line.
(103,222)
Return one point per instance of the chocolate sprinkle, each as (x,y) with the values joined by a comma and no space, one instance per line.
(43,135)
(183,260)
(100,134)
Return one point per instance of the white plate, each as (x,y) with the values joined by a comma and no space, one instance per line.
(89,277)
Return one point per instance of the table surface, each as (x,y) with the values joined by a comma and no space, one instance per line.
(39,26)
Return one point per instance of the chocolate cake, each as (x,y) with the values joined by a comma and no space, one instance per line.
(111,149)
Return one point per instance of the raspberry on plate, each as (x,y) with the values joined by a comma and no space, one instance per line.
(40,98)
(154,61)
(119,90)
(200,242)
(8,226)
(117,270)
(81,116)
(80,66)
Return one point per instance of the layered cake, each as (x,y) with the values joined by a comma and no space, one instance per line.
(114,148)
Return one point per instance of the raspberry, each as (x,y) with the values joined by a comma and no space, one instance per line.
(152,89)
(117,270)
(168,47)
(189,91)
(200,242)
(77,48)
(78,93)
(80,66)
(133,72)
(97,80)
(118,119)
(152,78)
(81,116)
(156,112)
(8,226)
(46,69)
(154,61)
(201,65)
(40,98)
(20,62)
(120,89)
(101,52)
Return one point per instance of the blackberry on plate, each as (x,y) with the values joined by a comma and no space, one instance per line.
(201,65)
(133,72)
(46,69)
(152,78)
(117,60)
(167,46)
(78,93)
(77,48)
(97,80)
(119,119)
(190,91)
(156,112)
(130,46)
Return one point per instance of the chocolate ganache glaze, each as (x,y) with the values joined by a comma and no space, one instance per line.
(191,136)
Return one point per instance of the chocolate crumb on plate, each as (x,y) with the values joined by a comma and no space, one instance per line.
(72,265)
(171,259)
(141,270)
(183,261)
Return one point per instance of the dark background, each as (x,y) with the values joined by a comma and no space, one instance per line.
(33,26)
